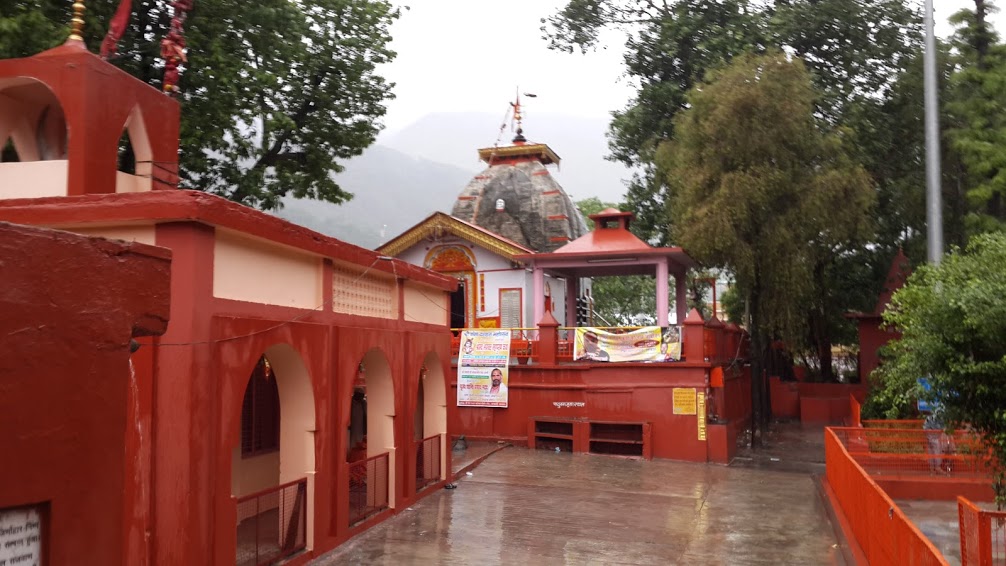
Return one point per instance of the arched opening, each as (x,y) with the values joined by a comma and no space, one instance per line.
(135,157)
(272,465)
(371,438)
(430,424)
(33,140)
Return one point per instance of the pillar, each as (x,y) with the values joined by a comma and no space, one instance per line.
(572,293)
(680,296)
(538,278)
(662,292)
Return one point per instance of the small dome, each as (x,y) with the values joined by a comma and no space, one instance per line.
(536,214)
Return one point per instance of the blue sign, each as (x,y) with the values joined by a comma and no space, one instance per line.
(923,405)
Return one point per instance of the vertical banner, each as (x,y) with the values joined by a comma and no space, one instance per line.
(484,368)
(646,344)
(701,415)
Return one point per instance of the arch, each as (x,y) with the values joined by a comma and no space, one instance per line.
(434,386)
(33,121)
(450,258)
(368,493)
(135,165)
(293,456)
(433,407)
(380,391)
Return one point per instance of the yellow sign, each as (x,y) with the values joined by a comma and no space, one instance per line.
(684,401)
(702,417)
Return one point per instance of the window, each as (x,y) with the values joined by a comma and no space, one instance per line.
(510,305)
(260,412)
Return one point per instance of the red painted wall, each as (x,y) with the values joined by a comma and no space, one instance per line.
(617,392)
(70,306)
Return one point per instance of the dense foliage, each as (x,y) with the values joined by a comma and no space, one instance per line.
(275,92)
(763,190)
(864,61)
(953,319)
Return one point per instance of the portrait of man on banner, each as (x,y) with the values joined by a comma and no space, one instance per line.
(483,368)
(670,344)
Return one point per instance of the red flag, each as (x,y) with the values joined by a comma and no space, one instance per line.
(116,28)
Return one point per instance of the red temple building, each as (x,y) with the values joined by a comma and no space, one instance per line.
(297,396)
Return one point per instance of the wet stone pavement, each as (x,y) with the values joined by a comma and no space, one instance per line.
(534,507)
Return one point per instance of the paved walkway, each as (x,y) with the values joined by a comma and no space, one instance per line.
(534,507)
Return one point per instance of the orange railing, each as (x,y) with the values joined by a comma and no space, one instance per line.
(368,487)
(915,452)
(272,524)
(880,528)
(983,534)
(427,461)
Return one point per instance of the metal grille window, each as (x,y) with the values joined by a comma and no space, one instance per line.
(260,412)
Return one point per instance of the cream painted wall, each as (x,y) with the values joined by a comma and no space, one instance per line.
(297,423)
(33,179)
(435,406)
(381,413)
(126,183)
(496,280)
(247,269)
(249,475)
(142,234)
(425,304)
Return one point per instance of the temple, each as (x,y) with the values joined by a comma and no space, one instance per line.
(231,388)
(293,394)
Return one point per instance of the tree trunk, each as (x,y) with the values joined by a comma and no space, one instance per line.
(759,400)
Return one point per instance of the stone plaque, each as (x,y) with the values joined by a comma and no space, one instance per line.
(20,537)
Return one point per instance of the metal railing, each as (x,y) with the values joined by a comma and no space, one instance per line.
(883,532)
(368,487)
(915,452)
(272,524)
(983,534)
(427,461)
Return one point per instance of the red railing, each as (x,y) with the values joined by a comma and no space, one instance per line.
(368,487)
(427,461)
(880,528)
(915,452)
(983,534)
(272,524)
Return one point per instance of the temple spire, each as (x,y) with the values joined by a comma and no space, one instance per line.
(518,117)
(77,22)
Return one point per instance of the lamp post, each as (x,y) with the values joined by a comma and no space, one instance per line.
(934,212)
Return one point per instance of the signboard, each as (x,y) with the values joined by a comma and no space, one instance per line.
(683,400)
(484,368)
(923,405)
(647,344)
(702,417)
(20,537)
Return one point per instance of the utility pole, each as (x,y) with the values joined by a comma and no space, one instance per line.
(934,204)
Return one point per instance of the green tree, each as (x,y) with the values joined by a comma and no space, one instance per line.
(952,319)
(761,190)
(976,104)
(275,92)
(855,52)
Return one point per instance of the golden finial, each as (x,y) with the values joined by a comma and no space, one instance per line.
(77,23)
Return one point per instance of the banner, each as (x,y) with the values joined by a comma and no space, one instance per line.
(647,344)
(484,368)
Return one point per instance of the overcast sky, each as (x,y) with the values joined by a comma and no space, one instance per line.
(472,55)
